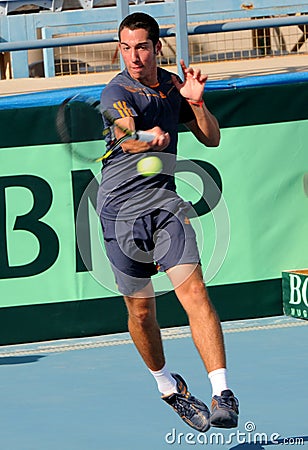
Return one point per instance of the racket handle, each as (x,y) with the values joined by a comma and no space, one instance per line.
(144,136)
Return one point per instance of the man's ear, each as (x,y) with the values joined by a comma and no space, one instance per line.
(158,47)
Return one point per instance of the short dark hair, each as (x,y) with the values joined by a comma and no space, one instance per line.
(139,20)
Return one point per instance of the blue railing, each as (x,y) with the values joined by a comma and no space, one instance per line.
(18,33)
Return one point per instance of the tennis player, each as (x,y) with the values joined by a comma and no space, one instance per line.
(145,223)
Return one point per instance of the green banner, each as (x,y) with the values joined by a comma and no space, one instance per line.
(254,231)
(249,195)
(262,169)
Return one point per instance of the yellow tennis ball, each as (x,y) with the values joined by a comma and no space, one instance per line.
(149,166)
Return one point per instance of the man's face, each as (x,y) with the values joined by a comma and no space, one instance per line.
(139,55)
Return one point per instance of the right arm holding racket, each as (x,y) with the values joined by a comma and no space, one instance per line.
(80,118)
(160,140)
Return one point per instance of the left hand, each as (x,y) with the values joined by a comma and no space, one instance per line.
(192,87)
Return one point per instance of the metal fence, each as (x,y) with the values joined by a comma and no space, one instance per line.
(211,47)
(82,42)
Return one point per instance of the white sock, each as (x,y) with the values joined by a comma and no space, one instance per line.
(165,382)
(218,379)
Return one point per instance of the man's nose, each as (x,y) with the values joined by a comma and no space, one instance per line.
(134,54)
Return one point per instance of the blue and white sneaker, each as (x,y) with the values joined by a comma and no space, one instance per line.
(193,411)
(225,410)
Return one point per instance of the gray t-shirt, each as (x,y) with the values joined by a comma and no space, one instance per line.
(123,192)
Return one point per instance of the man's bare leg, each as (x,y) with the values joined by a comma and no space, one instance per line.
(204,322)
(145,332)
(143,327)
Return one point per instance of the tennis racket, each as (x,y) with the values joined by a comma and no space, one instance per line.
(80,126)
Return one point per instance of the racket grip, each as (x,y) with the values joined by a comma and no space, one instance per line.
(144,136)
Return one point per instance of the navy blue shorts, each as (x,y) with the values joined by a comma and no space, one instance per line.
(138,248)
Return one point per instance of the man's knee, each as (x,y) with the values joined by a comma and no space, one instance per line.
(140,311)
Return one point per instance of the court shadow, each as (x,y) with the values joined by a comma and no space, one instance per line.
(9,360)
(292,440)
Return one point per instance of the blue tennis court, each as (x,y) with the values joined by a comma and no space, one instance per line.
(96,394)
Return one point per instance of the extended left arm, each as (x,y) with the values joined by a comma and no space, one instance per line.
(205,126)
